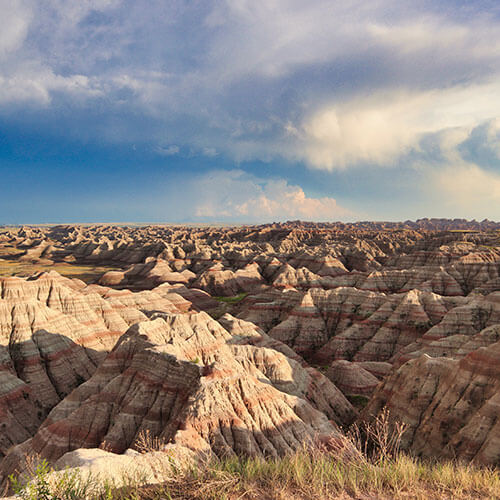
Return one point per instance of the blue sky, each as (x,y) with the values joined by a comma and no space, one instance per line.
(248,110)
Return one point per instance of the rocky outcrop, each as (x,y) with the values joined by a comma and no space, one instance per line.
(54,332)
(383,257)
(304,329)
(289,277)
(406,305)
(348,323)
(352,378)
(186,379)
(451,406)
(462,329)
(224,282)
(151,273)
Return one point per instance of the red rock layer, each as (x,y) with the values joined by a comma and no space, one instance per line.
(451,406)
(188,380)
(54,332)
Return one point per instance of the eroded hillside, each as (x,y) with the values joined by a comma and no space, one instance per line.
(249,340)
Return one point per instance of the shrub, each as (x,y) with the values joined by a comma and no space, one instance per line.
(43,484)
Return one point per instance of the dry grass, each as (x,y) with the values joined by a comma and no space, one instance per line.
(366,465)
(86,273)
(311,475)
(320,476)
(146,442)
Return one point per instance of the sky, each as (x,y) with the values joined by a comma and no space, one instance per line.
(248,111)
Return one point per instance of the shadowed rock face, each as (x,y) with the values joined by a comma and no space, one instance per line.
(407,314)
(54,332)
(450,405)
(188,380)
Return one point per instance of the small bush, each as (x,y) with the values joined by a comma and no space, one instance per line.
(146,442)
(43,484)
(359,401)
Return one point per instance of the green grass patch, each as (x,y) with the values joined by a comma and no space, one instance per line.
(232,300)
(359,401)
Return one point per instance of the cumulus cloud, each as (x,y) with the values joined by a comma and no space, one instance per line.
(294,66)
(376,131)
(381,128)
(235,195)
(468,190)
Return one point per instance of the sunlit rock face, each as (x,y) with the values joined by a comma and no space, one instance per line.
(248,340)
(54,333)
(188,380)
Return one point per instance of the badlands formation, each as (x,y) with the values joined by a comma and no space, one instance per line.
(249,340)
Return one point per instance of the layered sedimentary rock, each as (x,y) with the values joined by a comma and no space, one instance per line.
(347,323)
(304,329)
(186,379)
(54,332)
(413,306)
(153,272)
(462,329)
(289,277)
(219,281)
(451,406)
(352,378)
(384,257)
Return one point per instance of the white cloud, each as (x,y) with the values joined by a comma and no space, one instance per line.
(37,86)
(168,150)
(371,131)
(14,21)
(467,190)
(380,128)
(330,83)
(437,34)
(274,38)
(236,195)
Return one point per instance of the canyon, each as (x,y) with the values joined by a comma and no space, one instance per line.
(248,340)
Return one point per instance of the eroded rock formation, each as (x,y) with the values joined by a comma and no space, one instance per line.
(186,379)
(248,339)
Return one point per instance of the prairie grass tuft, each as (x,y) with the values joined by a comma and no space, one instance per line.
(366,463)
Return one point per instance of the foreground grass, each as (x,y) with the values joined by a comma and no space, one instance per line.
(320,476)
(304,475)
